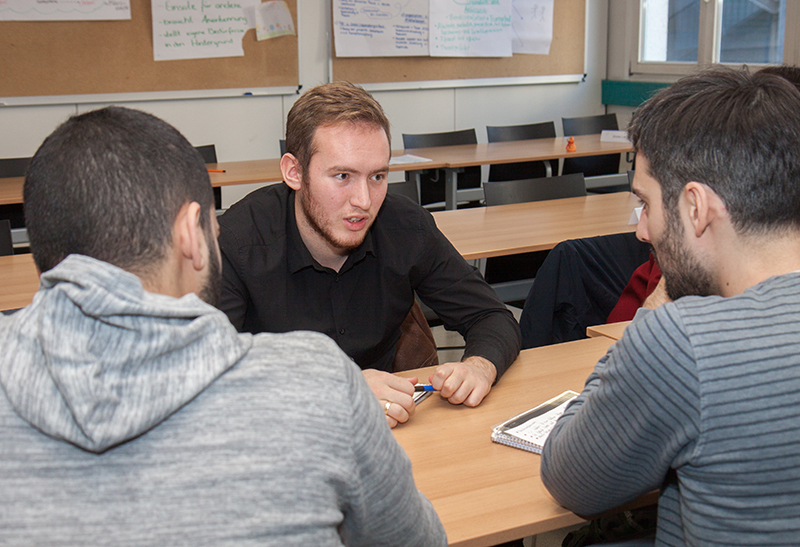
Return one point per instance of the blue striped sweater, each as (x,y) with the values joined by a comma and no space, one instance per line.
(700,398)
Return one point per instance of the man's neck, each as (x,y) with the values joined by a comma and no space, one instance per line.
(756,259)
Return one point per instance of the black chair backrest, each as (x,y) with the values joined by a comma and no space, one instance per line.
(446,138)
(13,167)
(282,146)
(209,154)
(541,189)
(6,246)
(432,183)
(593,165)
(522,170)
(588,125)
(407,188)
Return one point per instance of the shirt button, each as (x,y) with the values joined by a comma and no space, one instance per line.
(341,331)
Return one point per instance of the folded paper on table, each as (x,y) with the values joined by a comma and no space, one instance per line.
(614,135)
(407,158)
(636,214)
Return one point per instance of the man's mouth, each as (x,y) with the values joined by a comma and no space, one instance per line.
(355,223)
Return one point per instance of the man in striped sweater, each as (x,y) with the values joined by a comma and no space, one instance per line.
(700,398)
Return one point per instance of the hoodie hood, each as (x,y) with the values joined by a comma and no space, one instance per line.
(96,360)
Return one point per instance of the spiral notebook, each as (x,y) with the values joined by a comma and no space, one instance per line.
(530,429)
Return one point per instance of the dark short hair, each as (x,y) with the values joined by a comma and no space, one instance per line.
(789,72)
(109,184)
(329,104)
(738,133)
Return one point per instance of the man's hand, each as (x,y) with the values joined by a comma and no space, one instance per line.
(468,381)
(658,296)
(395,394)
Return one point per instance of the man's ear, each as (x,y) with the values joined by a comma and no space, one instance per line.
(703,206)
(189,235)
(290,168)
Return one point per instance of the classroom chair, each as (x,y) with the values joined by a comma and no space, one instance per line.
(431,182)
(14,212)
(407,188)
(526,169)
(577,286)
(6,246)
(538,189)
(209,154)
(416,347)
(594,166)
(512,276)
(13,167)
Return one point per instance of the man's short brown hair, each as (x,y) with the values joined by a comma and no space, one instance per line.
(329,104)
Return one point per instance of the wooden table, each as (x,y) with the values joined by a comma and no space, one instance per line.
(450,158)
(484,232)
(11,190)
(614,331)
(487,493)
(475,233)
(468,155)
(20,281)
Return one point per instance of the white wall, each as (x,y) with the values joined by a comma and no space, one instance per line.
(245,128)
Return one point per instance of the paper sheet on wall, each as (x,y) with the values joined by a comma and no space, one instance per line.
(478,28)
(64,10)
(273,19)
(375,28)
(532,24)
(197,29)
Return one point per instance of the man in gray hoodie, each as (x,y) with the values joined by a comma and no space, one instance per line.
(133,413)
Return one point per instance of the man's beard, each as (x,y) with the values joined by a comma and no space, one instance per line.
(683,273)
(315,215)
(212,286)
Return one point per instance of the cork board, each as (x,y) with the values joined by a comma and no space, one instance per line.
(88,57)
(566,57)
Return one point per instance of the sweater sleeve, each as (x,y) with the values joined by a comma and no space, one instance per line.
(385,507)
(638,416)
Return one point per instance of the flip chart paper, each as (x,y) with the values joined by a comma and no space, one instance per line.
(474,28)
(374,28)
(196,29)
(64,10)
(532,26)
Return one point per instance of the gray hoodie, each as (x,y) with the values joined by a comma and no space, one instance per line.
(131,418)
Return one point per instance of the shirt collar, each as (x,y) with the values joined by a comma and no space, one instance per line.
(300,257)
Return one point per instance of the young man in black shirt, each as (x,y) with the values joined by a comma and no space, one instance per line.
(330,251)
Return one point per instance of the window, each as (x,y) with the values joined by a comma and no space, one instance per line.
(674,36)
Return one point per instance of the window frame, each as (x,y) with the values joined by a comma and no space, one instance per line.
(709,27)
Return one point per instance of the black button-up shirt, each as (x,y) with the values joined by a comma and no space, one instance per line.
(271,283)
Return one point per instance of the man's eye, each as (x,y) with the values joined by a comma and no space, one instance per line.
(340,176)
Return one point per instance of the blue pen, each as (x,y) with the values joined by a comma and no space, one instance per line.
(424,387)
